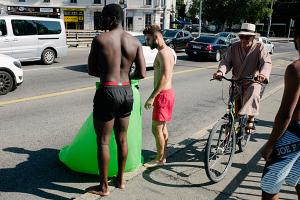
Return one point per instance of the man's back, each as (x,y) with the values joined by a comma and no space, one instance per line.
(295,69)
(117,50)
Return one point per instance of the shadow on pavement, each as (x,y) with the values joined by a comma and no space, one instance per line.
(193,154)
(40,172)
(254,166)
(78,68)
(37,62)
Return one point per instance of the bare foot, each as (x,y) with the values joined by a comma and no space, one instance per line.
(120,183)
(154,163)
(97,190)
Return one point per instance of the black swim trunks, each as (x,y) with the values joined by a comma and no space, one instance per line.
(112,102)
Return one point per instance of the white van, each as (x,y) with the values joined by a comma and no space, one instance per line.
(32,38)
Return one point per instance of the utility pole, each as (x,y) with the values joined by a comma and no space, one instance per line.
(200,14)
(125,15)
(270,19)
(165,14)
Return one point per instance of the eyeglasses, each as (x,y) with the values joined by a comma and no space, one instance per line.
(246,37)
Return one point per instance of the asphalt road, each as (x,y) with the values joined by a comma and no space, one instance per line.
(56,100)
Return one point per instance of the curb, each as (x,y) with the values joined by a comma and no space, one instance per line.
(173,149)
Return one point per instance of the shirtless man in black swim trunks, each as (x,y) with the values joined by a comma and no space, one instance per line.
(111,57)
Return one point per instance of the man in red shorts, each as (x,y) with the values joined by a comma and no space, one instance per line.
(162,97)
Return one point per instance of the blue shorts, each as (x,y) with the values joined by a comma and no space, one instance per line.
(285,162)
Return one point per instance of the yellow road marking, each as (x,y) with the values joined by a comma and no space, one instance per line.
(72,91)
(55,94)
(2,103)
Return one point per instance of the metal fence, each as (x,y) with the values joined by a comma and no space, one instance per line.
(76,38)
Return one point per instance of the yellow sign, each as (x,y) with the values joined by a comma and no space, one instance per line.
(71,18)
(74,9)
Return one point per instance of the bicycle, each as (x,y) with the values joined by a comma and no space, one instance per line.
(228,132)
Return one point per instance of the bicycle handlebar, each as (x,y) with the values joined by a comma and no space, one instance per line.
(249,78)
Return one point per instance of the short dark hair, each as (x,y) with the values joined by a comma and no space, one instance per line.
(151,29)
(113,10)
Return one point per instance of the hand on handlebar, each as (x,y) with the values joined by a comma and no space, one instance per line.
(261,78)
(218,75)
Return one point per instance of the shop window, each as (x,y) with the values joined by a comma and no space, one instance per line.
(22,0)
(148,2)
(97,20)
(97,1)
(24,27)
(48,27)
(3,28)
(148,19)
(73,1)
(46,1)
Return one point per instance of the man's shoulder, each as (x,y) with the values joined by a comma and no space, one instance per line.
(131,38)
(293,69)
(102,38)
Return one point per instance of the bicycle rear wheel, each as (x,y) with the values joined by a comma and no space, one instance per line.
(219,150)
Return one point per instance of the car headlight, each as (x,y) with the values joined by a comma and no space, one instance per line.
(18,64)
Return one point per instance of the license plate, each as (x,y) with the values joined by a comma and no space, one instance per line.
(195,52)
(197,47)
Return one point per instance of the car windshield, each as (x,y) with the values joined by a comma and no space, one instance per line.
(206,39)
(223,34)
(169,33)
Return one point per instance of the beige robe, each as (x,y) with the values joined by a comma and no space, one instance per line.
(256,61)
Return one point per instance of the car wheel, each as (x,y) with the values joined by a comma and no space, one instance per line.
(6,82)
(218,56)
(171,45)
(48,56)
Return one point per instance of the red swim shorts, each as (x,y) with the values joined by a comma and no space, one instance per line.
(163,106)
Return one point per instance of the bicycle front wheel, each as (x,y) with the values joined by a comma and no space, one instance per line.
(243,137)
(219,150)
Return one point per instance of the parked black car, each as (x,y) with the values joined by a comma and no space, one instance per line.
(177,39)
(211,47)
(230,36)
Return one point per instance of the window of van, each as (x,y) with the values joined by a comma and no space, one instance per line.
(24,27)
(3,27)
(48,27)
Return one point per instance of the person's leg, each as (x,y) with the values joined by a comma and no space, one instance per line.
(266,196)
(166,137)
(157,130)
(103,131)
(120,128)
(250,128)
(298,190)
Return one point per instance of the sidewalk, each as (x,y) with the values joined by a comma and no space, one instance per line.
(183,177)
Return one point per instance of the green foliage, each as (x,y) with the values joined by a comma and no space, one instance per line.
(232,11)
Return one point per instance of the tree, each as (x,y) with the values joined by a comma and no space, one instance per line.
(227,12)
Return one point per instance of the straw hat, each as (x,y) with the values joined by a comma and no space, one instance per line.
(247,29)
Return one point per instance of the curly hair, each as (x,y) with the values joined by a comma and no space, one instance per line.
(151,29)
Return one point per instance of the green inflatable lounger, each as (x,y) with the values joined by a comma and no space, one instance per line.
(81,154)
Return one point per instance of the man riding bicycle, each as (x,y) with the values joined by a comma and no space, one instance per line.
(247,58)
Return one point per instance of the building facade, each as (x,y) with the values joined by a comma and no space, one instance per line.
(86,14)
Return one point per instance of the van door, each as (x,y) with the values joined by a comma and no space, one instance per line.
(25,39)
(5,38)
